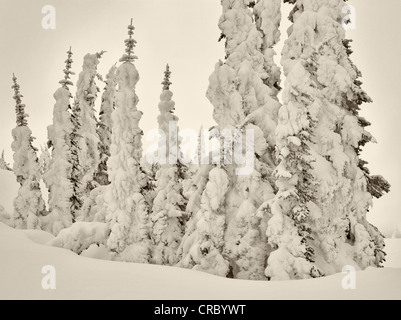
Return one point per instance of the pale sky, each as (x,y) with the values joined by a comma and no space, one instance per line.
(184,34)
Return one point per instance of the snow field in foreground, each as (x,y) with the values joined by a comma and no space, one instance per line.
(23,253)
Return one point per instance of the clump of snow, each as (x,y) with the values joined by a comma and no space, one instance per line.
(81,235)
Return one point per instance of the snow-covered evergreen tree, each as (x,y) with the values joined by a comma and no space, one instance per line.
(92,207)
(168,212)
(230,235)
(105,125)
(288,231)
(127,208)
(75,138)
(88,146)
(58,176)
(323,193)
(3,164)
(28,205)
(203,244)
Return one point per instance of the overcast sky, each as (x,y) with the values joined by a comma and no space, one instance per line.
(184,34)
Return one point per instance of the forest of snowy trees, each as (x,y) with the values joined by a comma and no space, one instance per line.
(301,212)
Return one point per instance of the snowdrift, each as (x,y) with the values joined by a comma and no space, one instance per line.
(81,235)
(23,254)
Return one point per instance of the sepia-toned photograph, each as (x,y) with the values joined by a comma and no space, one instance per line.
(198,150)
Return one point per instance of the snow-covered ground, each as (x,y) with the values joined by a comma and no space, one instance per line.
(23,253)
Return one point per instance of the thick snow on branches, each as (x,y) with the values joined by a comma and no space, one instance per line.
(28,205)
(229,238)
(58,175)
(287,193)
(168,215)
(88,153)
(323,193)
(128,210)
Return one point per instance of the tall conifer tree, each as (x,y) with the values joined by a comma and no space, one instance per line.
(128,210)
(28,205)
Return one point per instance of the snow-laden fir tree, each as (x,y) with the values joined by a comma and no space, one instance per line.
(105,125)
(75,138)
(58,175)
(355,137)
(3,164)
(127,208)
(319,213)
(28,205)
(376,185)
(194,186)
(203,242)
(88,146)
(168,211)
(229,238)
(288,231)
(92,208)
(197,177)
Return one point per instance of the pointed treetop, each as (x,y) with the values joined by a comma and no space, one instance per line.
(100,54)
(3,164)
(19,107)
(67,71)
(166,82)
(17,97)
(130,44)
